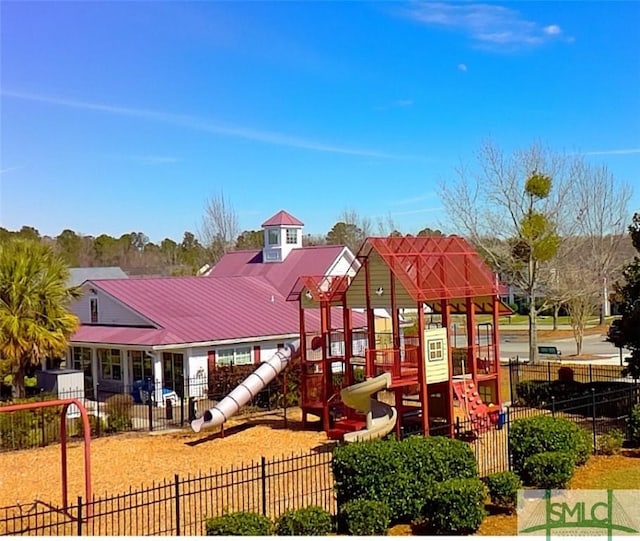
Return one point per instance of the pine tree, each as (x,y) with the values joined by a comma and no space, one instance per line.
(625,332)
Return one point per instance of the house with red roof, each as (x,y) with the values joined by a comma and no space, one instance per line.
(173,329)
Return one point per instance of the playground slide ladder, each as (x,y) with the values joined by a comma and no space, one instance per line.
(477,411)
(245,391)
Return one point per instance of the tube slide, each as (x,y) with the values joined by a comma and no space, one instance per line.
(243,393)
(381,418)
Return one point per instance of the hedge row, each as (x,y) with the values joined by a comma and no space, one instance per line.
(400,474)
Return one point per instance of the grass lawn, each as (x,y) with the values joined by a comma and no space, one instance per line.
(600,472)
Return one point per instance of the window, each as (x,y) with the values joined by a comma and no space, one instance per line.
(141,365)
(94,310)
(233,356)
(292,236)
(81,359)
(110,364)
(435,350)
(174,371)
(273,236)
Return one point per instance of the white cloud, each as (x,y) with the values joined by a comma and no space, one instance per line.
(462,67)
(619,151)
(414,199)
(552,30)
(488,25)
(9,169)
(404,103)
(204,125)
(417,211)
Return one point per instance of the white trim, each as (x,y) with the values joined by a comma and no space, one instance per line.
(348,255)
(209,343)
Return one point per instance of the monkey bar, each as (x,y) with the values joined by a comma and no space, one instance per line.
(65,403)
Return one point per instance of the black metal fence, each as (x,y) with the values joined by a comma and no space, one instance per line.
(143,406)
(578,378)
(180,506)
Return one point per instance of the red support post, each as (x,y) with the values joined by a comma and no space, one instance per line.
(472,350)
(496,346)
(422,371)
(371,320)
(446,319)
(348,341)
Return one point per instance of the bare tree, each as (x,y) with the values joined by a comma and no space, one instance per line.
(602,207)
(579,289)
(219,228)
(510,209)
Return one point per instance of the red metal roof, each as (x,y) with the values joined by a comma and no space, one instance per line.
(435,268)
(198,309)
(282,218)
(311,260)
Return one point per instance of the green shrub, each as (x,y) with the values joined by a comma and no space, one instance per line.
(365,517)
(551,469)
(400,474)
(633,425)
(503,489)
(611,442)
(239,524)
(119,409)
(29,428)
(456,506)
(534,435)
(97,424)
(312,520)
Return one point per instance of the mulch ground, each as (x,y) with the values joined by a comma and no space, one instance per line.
(134,460)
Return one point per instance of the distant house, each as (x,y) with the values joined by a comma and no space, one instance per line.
(172,329)
(79,275)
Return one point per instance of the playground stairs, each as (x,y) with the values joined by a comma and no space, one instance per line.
(466,392)
(344,426)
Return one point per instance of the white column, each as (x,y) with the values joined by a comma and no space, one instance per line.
(157,375)
(124,359)
(95,371)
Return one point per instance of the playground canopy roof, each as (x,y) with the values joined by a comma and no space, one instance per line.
(425,270)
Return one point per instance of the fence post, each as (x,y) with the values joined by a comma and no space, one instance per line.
(150,410)
(177,490)
(263,477)
(98,421)
(79,522)
(182,408)
(593,413)
(590,373)
(548,370)
(511,379)
(508,425)
(553,406)
(42,429)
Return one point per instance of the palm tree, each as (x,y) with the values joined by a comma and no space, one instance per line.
(35,321)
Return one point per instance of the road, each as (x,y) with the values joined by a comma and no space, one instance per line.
(512,344)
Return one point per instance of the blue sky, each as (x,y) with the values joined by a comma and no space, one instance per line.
(126,116)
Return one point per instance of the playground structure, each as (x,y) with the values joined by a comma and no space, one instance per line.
(424,371)
(86,426)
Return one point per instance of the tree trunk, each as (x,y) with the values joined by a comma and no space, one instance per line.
(533,332)
(579,337)
(556,312)
(17,386)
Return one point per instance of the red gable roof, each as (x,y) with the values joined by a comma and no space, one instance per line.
(311,260)
(197,309)
(435,268)
(282,218)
